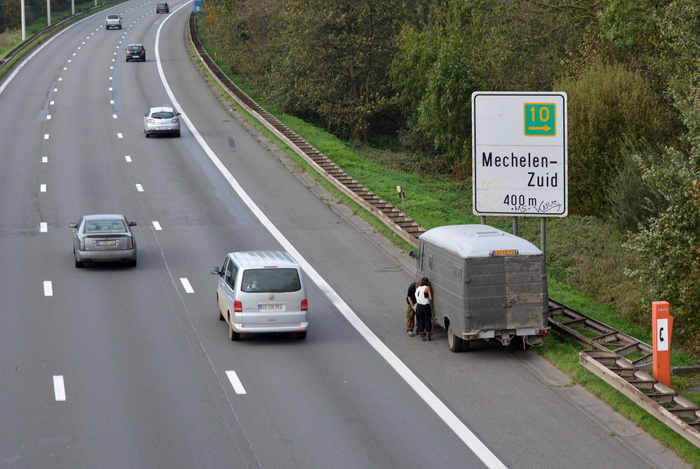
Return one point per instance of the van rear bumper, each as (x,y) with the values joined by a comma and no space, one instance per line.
(258,329)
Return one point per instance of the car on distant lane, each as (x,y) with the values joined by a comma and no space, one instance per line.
(135,52)
(103,238)
(113,21)
(161,120)
(162,7)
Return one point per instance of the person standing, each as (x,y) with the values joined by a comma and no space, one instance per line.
(424,313)
(411,308)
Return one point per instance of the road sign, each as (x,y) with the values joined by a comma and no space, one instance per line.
(519,154)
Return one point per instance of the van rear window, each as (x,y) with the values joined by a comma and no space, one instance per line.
(271,280)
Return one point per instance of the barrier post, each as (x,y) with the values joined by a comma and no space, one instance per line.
(662,326)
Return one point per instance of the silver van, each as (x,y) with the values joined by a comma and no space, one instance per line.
(261,291)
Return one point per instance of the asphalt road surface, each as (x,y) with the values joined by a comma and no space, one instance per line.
(118,367)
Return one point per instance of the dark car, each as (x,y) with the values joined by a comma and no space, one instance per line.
(162,7)
(135,52)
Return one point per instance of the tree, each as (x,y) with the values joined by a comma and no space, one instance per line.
(607,105)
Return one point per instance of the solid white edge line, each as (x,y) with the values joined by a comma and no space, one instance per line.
(186,285)
(59,388)
(235,382)
(457,426)
(48,288)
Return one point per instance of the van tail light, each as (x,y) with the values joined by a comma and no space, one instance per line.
(237,307)
(304,305)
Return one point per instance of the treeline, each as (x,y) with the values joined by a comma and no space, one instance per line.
(407,68)
(34,11)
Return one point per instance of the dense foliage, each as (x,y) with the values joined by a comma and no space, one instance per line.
(407,69)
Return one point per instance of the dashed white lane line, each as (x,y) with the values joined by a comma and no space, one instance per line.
(156,226)
(186,285)
(46,136)
(235,382)
(127,158)
(119,135)
(139,187)
(42,188)
(44,159)
(43,227)
(48,288)
(59,388)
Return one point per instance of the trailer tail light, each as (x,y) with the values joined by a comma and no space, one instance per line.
(237,307)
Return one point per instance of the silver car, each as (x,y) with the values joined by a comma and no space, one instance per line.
(103,238)
(161,120)
(261,292)
(113,21)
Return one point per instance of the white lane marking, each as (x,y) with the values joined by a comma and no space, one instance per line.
(127,158)
(235,382)
(433,401)
(48,117)
(119,135)
(48,288)
(114,116)
(60,79)
(156,226)
(46,136)
(139,187)
(43,227)
(55,90)
(51,103)
(44,159)
(59,388)
(186,285)
(42,188)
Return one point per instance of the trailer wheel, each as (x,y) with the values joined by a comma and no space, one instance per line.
(454,342)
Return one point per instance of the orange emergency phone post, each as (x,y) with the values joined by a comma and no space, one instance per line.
(662,325)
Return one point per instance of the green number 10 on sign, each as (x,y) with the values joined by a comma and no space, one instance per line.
(540,119)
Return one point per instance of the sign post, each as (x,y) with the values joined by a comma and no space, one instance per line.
(662,326)
(519,154)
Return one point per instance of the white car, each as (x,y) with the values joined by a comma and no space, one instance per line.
(161,120)
(261,292)
(113,21)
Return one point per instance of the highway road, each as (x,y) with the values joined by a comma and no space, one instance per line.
(118,367)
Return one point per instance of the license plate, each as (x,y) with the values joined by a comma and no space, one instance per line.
(107,243)
(160,127)
(271,307)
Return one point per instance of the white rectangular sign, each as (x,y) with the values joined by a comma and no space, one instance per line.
(519,154)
